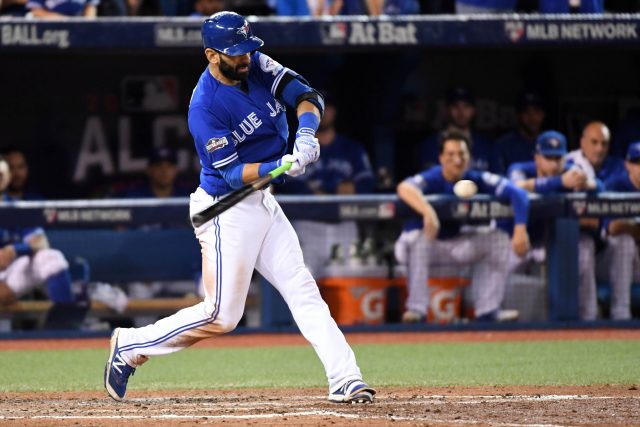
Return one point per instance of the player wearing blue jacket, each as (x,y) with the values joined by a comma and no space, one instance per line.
(548,174)
(26,261)
(426,241)
(620,258)
(237,119)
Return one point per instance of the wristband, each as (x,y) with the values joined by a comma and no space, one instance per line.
(265,168)
(22,249)
(307,124)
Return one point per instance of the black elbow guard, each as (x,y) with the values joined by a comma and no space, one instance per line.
(313,97)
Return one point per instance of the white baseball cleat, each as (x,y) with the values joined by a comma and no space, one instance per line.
(353,391)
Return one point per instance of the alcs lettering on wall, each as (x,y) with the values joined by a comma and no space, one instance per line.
(95,153)
(30,35)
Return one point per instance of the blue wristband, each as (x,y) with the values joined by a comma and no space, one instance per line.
(22,249)
(307,124)
(265,168)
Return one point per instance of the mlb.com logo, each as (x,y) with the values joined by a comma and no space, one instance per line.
(515,30)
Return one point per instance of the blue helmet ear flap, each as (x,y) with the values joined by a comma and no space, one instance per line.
(229,33)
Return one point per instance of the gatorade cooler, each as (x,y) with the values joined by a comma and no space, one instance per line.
(445,298)
(356,300)
(445,293)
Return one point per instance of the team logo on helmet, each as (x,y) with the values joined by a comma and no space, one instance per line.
(244,30)
(554,142)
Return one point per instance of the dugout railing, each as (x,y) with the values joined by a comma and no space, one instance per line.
(125,240)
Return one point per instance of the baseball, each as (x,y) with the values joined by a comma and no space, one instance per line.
(465,188)
(5,175)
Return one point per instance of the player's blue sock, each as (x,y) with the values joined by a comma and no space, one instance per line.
(59,287)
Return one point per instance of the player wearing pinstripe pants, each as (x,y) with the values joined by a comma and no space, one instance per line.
(238,122)
(549,174)
(621,261)
(425,241)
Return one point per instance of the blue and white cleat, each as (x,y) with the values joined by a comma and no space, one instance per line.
(116,371)
(353,391)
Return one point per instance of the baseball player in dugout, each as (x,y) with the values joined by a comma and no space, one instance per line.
(27,261)
(426,242)
(238,123)
(623,235)
(550,174)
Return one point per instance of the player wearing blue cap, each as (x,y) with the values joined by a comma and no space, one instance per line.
(621,258)
(238,122)
(548,174)
(425,241)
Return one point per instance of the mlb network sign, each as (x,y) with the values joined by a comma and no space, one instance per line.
(571,31)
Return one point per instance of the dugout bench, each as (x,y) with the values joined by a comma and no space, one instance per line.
(94,231)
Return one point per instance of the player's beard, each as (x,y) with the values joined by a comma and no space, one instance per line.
(232,73)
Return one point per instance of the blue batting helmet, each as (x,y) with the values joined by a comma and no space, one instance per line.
(229,33)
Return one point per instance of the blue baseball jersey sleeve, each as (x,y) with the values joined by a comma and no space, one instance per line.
(244,123)
(621,183)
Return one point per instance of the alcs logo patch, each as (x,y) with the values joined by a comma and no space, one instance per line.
(216,143)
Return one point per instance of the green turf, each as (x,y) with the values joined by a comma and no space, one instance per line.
(542,362)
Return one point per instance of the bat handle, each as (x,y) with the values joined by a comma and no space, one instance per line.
(280,170)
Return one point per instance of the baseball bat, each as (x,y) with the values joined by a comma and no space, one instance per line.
(237,196)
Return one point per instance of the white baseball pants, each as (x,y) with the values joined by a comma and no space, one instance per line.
(485,251)
(620,263)
(587,296)
(255,233)
(26,273)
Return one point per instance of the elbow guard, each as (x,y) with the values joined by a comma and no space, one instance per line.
(294,89)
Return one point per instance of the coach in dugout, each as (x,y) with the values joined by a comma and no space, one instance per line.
(621,255)
(549,174)
(426,241)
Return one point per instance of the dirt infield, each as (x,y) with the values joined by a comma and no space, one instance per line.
(495,405)
(514,406)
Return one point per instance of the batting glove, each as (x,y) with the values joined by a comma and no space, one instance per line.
(296,167)
(308,146)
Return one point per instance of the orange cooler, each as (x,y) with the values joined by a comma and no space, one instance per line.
(445,298)
(356,300)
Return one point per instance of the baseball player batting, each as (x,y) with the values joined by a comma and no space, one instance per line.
(238,122)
